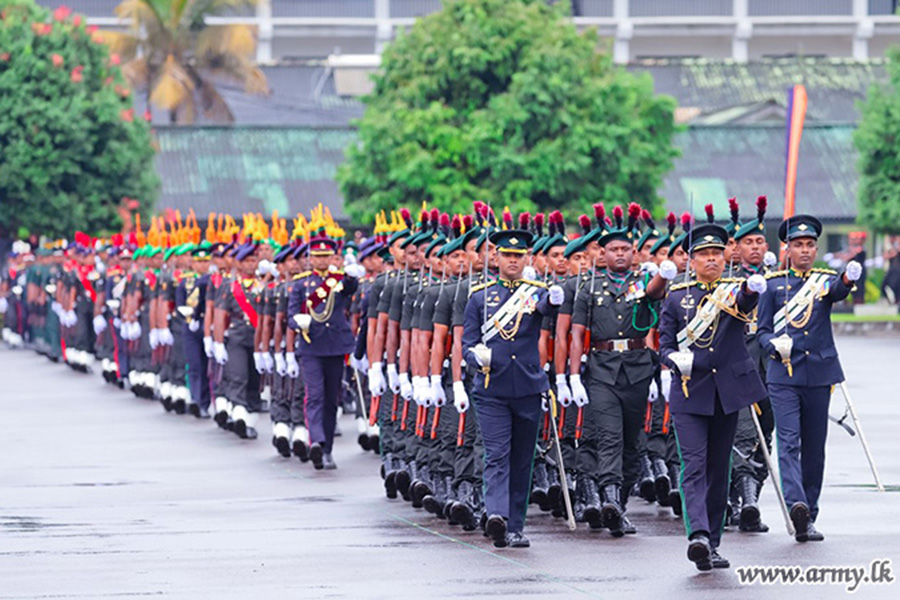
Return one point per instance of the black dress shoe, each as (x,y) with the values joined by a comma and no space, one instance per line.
(283,446)
(328,462)
(202,413)
(194,409)
(699,552)
(517,539)
(813,534)
(244,431)
(757,527)
(495,528)
(179,407)
(718,561)
(300,450)
(316,456)
(800,519)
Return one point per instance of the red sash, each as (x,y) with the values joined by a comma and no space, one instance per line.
(324,289)
(238,290)
(88,286)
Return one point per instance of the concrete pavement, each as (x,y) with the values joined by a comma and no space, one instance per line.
(103,495)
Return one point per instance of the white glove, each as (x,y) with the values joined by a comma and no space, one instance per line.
(208,346)
(563,393)
(666,382)
(268,362)
(220,353)
(99,324)
(437,391)
(135,330)
(756,284)
(258,363)
(349,259)
(4,305)
(280,364)
(649,268)
(194,325)
(406,389)
(117,323)
(165,337)
(769,259)
(57,308)
(376,380)
(262,268)
(853,270)
(482,355)
(125,330)
(154,338)
(292,367)
(364,364)
(557,295)
(668,270)
(529,273)
(545,403)
(653,395)
(71,318)
(355,271)
(579,394)
(460,397)
(421,391)
(393,378)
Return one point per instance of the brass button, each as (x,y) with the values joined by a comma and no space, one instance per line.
(620,333)
(807,352)
(712,349)
(620,317)
(805,333)
(514,357)
(327,324)
(714,371)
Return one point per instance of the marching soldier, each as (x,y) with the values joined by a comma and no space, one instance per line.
(803,364)
(316,309)
(618,310)
(702,340)
(190,299)
(502,327)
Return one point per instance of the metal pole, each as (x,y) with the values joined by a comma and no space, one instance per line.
(771,464)
(570,515)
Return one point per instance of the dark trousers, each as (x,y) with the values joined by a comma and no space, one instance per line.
(197,367)
(801,419)
(613,421)
(240,379)
(704,445)
(509,428)
(748,455)
(468,459)
(323,376)
(280,406)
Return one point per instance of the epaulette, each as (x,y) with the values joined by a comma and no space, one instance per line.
(535,283)
(773,274)
(303,274)
(824,270)
(732,280)
(482,286)
(682,286)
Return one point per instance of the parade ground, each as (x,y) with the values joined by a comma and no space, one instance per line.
(104,495)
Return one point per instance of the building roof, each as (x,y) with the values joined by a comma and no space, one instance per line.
(718,163)
(291,169)
(250,169)
(833,85)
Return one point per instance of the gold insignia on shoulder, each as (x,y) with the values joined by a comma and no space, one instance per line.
(331,282)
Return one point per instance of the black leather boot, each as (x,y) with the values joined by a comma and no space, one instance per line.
(646,486)
(540,485)
(749,515)
(590,498)
(674,495)
(661,484)
(462,510)
(611,509)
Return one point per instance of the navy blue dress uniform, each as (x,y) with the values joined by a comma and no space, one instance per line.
(507,389)
(317,310)
(723,380)
(800,388)
(191,294)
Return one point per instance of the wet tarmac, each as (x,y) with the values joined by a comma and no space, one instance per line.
(103,495)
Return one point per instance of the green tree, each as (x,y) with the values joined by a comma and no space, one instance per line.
(72,151)
(174,56)
(503,100)
(878,142)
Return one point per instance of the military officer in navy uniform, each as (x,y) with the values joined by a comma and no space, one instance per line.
(317,311)
(714,377)
(795,333)
(190,299)
(500,335)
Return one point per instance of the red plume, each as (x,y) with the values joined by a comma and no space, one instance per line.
(761,203)
(710,217)
(444,219)
(407,217)
(634,210)
(524,220)
(686,221)
(585,222)
(734,209)
(456,226)
(468,221)
(648,219)
(539,224)
(435,215)
(618,215)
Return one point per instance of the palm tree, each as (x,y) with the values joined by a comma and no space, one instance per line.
(176,57)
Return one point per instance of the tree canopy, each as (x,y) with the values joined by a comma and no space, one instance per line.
(504,101)
(73,151)
(878,141)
